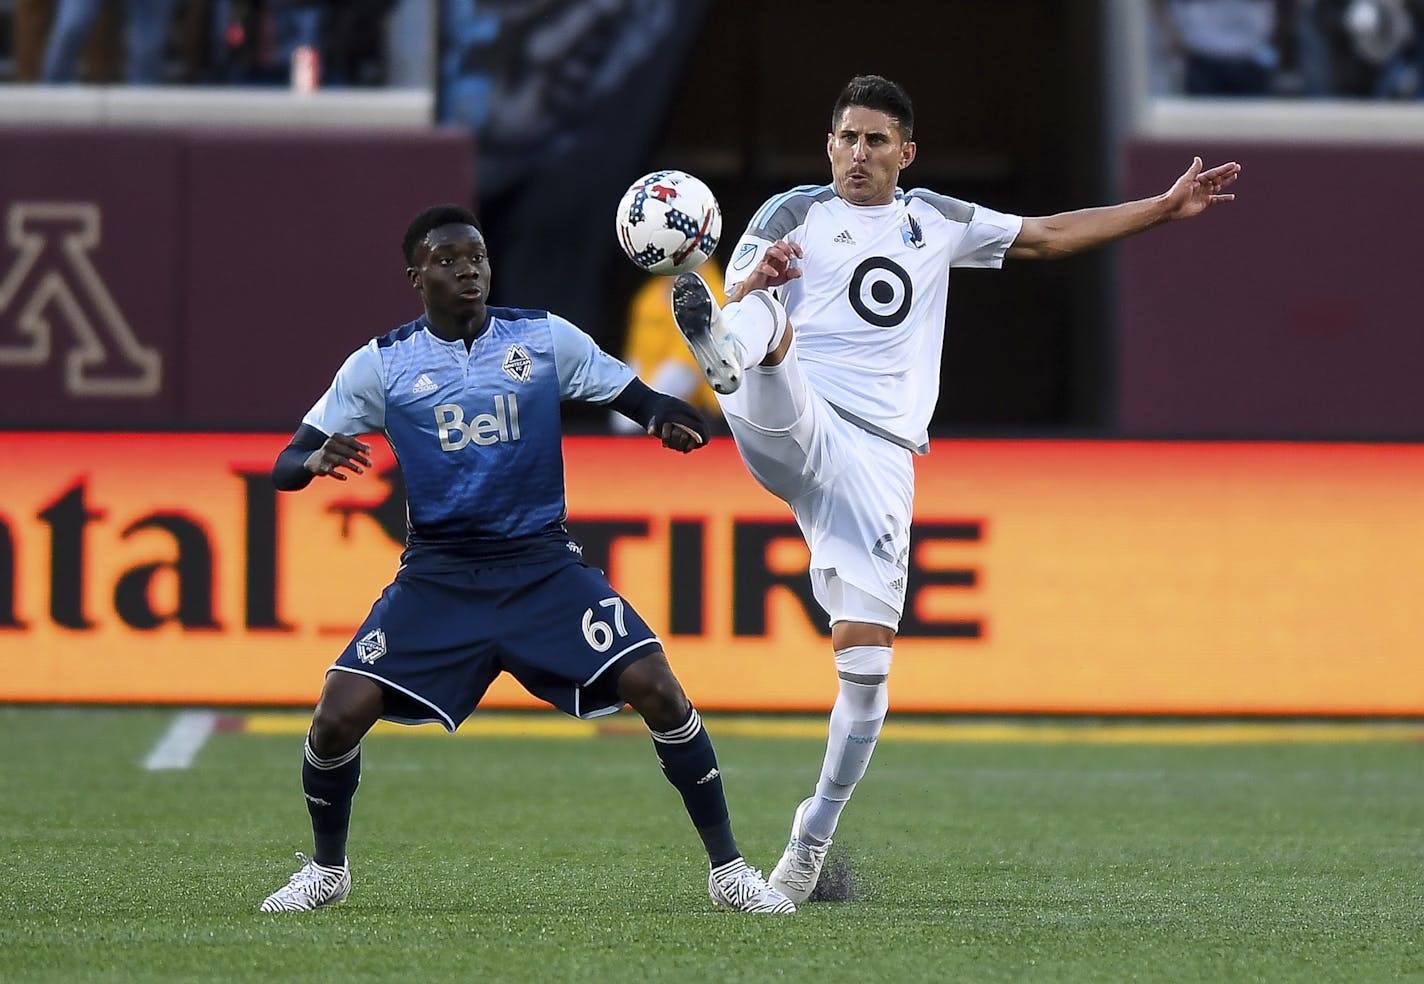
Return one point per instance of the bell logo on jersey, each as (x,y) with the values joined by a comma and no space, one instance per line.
(483,429)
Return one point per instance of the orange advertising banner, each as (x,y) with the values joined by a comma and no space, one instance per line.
(1046,576)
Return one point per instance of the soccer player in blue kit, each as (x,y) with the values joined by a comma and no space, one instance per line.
(490,581)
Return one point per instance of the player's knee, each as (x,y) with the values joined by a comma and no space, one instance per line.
(851,634)
(661,703)
(348,707)
(334,732)
(864,672)
(778,353)
(781,327)
(652,690)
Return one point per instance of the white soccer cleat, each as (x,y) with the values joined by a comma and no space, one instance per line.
(737,885)
(796,874)
(700,320)
(312,886)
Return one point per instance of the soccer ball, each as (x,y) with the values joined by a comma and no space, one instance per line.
(668,222)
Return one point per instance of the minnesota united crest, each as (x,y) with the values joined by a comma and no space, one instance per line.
(913,234)
(517,364)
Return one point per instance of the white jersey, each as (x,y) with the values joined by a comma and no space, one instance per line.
(868,310)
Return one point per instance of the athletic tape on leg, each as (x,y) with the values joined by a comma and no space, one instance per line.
(864,664)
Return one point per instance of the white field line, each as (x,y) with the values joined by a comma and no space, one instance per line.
(182,741)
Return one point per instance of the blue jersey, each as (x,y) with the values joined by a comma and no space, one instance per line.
(476,430)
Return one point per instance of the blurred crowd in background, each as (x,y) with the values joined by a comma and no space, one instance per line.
(1330,48)
(241,42)
(1322,48)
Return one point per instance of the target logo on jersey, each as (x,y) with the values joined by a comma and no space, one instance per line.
(880,291)
(668,222)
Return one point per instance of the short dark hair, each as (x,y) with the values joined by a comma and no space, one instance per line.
(433,218)
(878,93)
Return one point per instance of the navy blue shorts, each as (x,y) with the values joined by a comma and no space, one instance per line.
(441,632)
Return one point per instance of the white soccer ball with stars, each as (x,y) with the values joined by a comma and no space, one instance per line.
(669,222)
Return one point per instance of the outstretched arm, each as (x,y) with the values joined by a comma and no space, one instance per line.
(1052,237)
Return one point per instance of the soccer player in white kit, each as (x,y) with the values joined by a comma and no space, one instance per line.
(827,359)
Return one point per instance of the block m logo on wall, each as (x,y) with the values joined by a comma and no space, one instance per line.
(54,304)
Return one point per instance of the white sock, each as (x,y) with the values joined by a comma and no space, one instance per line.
(757,322)
(774,400)
(856,720)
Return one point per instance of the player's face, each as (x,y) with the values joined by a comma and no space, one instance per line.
(867,156)
(452,271)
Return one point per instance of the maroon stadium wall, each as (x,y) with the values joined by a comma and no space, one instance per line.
(1294,313)
(200,279)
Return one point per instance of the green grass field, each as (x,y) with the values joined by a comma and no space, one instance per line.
(1056,853)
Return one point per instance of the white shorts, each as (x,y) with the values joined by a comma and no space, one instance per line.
(852,493)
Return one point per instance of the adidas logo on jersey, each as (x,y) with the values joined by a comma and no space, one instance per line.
(845,237)
(423,385)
